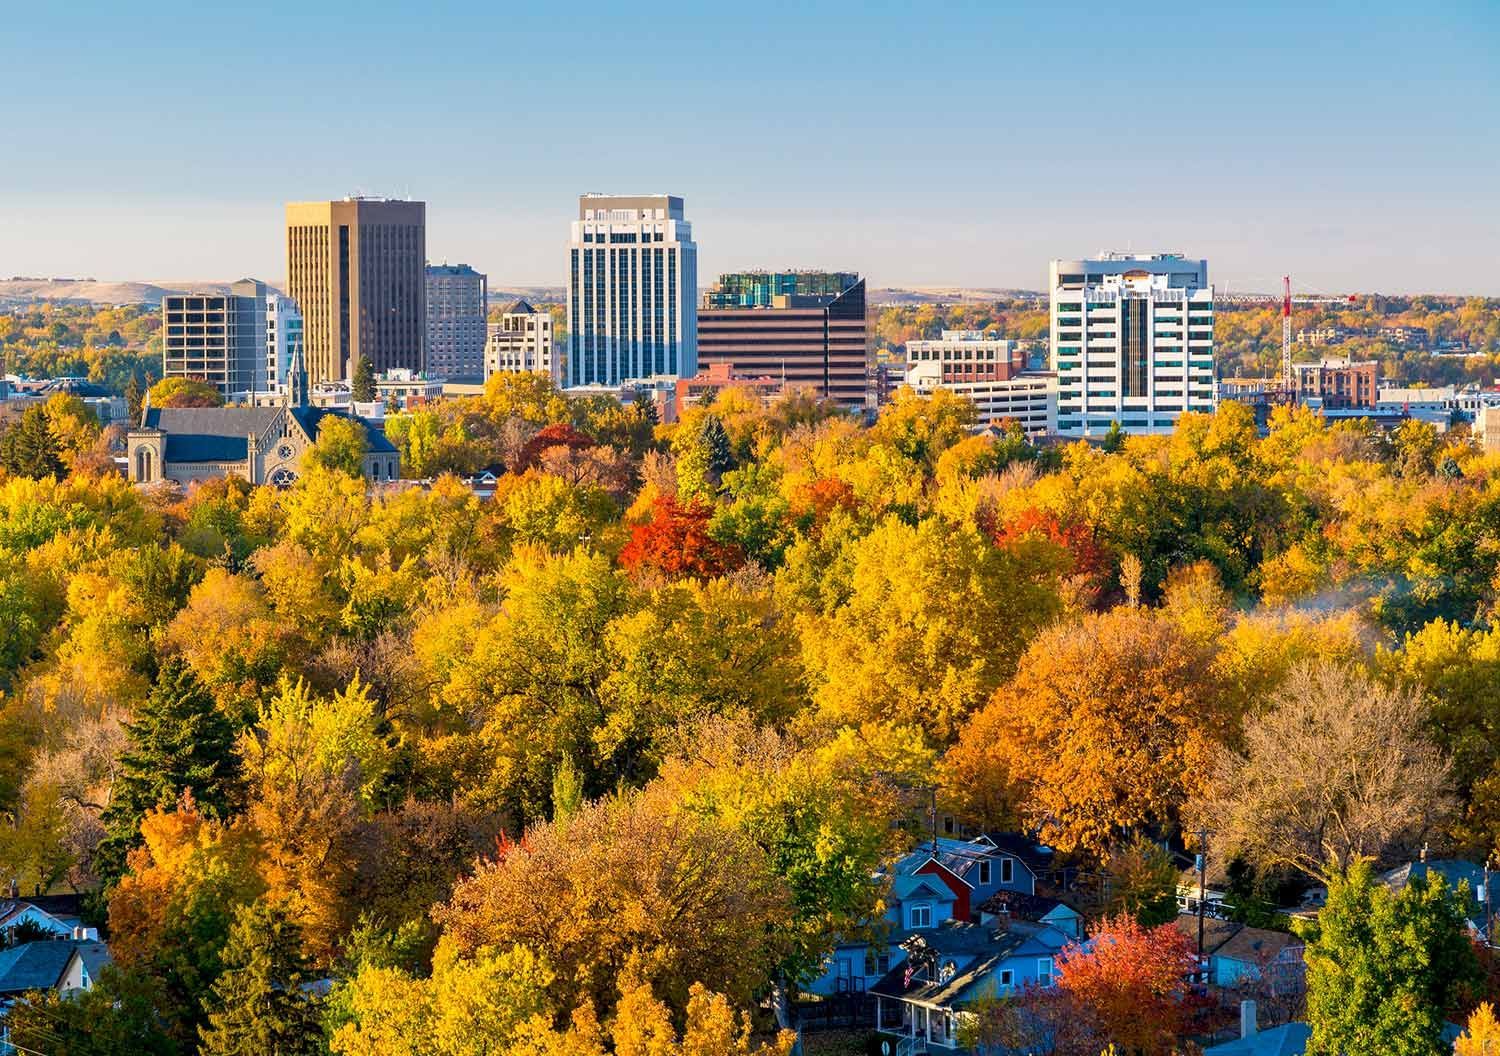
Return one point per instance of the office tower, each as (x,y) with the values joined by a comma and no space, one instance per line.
(520,341)
(1132,342)
(456,298)
(805,328)
(283,338)
(989,371)
(217,338)
(632,291)
(356,269)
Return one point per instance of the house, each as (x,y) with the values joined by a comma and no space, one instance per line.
(1005,906)
(261,444)
(54,915)
(944,970)
(942,880)
(49,964)
(1456,872)
(1239,955)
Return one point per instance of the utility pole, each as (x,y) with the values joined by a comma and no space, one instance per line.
(1202,891)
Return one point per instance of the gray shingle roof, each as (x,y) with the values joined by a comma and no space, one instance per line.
(33,965)
(218,434)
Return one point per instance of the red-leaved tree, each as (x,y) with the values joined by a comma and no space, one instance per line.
(675,542)
(559,434)
(1090,561)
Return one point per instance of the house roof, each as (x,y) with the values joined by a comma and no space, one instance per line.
(309,417)
(1290,1039)
(1239,942)
(520,307)
(1022,906)
(908,884)
(1454,870)
(94,955)
(960,857)
(33,965)
(62,911)
(977,950)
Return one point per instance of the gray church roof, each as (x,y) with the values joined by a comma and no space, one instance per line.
(218,434)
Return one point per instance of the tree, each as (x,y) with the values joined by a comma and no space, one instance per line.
(184,392)
(118,1016)
(179,742)
(703,455)
(260,1005)
(1143,883)
(134,397)
(1124,990)
(28,447)
(340,446)
(1336,769)
(628,885)
(362,384)
(676,542)
(935,619)
(1481,1037)
(1383,967)
(1108,726)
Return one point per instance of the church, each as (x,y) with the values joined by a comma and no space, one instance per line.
(263,445)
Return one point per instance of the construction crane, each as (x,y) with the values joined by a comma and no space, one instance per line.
(1286,335)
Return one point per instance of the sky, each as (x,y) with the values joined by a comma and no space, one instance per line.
(1355,146)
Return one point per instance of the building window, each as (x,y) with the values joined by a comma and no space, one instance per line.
(919,915)
(1044,971)
(984,872)
(1007,870)
(1007,978)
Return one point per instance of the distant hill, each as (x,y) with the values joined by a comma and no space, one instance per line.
(22,290)
(943,294)
(531,294)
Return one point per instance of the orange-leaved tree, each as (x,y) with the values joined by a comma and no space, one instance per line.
(675,542)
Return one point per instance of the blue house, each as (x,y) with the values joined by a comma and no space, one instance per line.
(922,1001)
(941,881)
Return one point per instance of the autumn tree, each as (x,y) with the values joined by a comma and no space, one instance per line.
(1337,768)
(676,542)
(628,885)
(118,1016)
(340,445)
(1142,882)
(1108,726)
(1481,1036)
(1384,966)
(260,1003)
(179,743)
(184,392)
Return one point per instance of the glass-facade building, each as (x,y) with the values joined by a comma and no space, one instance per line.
(759,289)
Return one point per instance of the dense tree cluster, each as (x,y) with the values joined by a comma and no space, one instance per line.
(614,754)
(111,346)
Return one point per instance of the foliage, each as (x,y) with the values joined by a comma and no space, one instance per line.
(260,1003)
(362,383)
(1383,967)
(676,542)
(340,445)
(184,392)
(29,448)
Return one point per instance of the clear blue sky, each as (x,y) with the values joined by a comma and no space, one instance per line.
(1354,145)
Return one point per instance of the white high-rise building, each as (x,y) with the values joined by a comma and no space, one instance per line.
(1132,342)
(632,291)
(283,339)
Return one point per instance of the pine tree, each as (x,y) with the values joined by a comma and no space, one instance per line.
(260,1006)
(362,387)
(179,742)
(28,448)
(134,395)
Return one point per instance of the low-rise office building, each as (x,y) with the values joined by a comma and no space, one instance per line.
(1336,384)
(521,342)
(992,373)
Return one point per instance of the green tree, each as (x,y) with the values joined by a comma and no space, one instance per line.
(340,445)
(118,1016)
(179,742)
(29,449)
(134,397)
(362,385)
(1383,966)
(184,392)
(260,1005)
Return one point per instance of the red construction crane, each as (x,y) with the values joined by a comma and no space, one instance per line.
(1286,334)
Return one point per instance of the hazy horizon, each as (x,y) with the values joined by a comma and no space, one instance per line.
(1351,147)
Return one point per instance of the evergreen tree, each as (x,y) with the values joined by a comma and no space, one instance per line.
(260,1006)
(1383,967)
(179,742)
(134,395)
(28,448)
(1114,440)
(720,452)
(362,387)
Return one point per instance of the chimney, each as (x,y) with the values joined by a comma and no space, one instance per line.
(1247,1019)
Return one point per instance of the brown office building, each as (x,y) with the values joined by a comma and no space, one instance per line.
(357,270)
(1336,384)
(805,329)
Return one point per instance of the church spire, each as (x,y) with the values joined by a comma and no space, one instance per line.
(296,379)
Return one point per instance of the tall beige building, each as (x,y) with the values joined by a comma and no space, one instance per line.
(357,270)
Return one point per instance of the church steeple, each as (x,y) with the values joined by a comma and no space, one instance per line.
(296,379)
